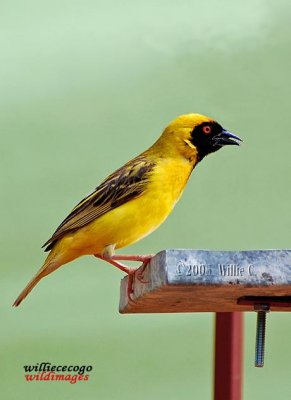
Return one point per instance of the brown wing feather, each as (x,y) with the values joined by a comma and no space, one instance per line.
(125,184)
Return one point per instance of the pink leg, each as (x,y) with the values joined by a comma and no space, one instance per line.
(142,257)
(117,264)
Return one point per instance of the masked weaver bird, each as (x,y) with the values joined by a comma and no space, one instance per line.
(134,200)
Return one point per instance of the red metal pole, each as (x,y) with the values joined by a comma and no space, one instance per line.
(228,356)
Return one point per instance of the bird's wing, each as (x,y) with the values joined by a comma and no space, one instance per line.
(125,184)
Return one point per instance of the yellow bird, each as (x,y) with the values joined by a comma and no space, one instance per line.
(134,200)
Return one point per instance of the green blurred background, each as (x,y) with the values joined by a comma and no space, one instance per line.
(85,86)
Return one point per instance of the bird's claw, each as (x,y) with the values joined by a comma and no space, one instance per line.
(140,272)
(139,275)
(130,287)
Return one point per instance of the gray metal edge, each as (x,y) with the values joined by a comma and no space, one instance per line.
(248,267)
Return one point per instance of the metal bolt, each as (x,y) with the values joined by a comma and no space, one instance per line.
(262,310)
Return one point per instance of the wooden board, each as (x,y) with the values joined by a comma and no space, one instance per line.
(202,280)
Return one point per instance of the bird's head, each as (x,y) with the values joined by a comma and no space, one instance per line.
(195,136)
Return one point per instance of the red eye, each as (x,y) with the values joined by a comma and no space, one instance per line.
(206,129)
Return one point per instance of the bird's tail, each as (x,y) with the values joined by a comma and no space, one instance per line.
(50,265)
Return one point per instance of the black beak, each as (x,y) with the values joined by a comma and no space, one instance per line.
(225,138)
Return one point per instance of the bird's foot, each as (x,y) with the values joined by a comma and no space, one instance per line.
(130,288)
(136,274)
(132,273)
(144,258)
(140,272)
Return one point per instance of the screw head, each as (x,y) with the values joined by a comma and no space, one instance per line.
(262,307)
